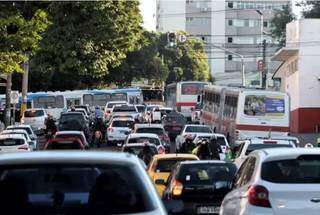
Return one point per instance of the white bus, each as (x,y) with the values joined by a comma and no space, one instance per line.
(184,95)
(241,113)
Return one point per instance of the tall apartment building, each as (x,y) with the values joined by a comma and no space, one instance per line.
(171,15)
(149,14)
(235,25)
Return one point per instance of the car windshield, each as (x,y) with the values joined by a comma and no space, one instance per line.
(122,123)
(11,142)
(198,129)
(253,147)
(141,108)
(124,108)
(154,141)
(303,170)
(137,149)
(33,113)
(207,173)
(158,131)
(166,165)
(77,189)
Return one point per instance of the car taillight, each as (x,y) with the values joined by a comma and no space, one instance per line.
(259,196)
(110,129)
(24,147)
(177,188)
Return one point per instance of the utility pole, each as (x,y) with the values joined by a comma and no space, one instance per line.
(264,74)
(24,89)
(7,117)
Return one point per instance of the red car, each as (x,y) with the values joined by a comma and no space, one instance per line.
(65,144)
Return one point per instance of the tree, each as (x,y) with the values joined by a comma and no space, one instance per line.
(279,22)
(90,38)
(311,9)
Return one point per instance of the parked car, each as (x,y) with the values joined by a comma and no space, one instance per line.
(118,130)
(201,185)
(146,138)
(70,143)
(161,166)
(32,143)
(276,181)
(35,118)
(221,139)
(13,143)
(154,129)
(191,130)
(76,183)
(248,146)
(72,134)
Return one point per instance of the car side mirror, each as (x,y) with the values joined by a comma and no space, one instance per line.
(32,137)
(160,182)
(173,206)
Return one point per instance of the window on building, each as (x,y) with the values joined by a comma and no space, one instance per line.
(265,24)
(230,40)
(230,22)
(230,57)
(230,4)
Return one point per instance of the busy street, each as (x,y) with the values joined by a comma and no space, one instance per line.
(160,107)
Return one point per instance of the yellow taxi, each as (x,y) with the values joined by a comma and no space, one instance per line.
(162,164)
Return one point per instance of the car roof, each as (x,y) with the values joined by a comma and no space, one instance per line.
(139,144)
(270,154)
(209,134)
(15,130)
(177,155)
(202,162)
(14,136)
(72,113)
(112,102)
(19,126)
(69,132)
(148,125)
(68,157)
(123,119)
(136,135)
(196,125)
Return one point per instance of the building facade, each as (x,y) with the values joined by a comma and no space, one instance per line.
(299,74)
(148,9)
(235,25)
(170,15)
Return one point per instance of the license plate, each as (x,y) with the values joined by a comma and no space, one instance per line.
(208,210)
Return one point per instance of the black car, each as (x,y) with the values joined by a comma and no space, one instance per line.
(173,123)
(201,185)
(74,121)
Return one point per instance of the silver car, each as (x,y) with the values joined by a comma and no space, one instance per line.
(76,183)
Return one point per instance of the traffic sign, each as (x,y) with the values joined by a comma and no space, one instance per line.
(14,97)
(260,65)
(182,38)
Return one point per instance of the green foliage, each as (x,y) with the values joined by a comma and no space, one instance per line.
(89,38)
(311,9)
(278,24)
(15,47)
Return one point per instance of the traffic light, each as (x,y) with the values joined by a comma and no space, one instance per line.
(172,40)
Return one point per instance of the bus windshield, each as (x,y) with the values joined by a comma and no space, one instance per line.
(191,88)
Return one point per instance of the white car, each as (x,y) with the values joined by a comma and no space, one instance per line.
(191,130)
(28,129)
(221,139)
(13,143)
(145,138)
(32,143)
(118,130)
(109,106)
(248,146)
(35,118)
(126,110)
(276,181)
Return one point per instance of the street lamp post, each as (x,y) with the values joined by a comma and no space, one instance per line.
(262,74)
(243,77)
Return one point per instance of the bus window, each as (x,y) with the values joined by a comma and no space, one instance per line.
(101,99)
(118,97)
(88,99)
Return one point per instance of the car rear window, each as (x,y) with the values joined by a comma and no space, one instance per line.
(198,129)
(253,147)
(110,105)
(207,173)
(122,123)
(141,109)
(154,141)
(137,149)
(113,188)
(158,131)
(28,130)
(166,165)
(175,119)
(303,170)
(64,145)
(34,113)
(11,142)
(220,140)
(124,108)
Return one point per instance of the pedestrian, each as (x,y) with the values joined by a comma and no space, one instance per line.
(204,151)
(215,148)
(188,145)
